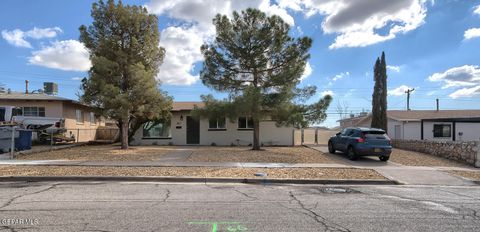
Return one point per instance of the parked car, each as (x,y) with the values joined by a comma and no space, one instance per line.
(360,141)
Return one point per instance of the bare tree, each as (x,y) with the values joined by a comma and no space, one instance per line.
(342,109)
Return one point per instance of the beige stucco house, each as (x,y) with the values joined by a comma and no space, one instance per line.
(80,120)
(185,130)
(438,125)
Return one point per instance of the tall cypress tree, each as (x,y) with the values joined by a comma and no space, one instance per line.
(379,97)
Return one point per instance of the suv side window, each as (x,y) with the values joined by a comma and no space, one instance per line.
(350,132)
(356,133)
(343,132)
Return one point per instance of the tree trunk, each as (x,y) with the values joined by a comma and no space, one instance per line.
(125,134)
(256,135)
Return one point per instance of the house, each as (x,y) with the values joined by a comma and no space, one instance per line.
(80,119)
(185,130)
(441,125)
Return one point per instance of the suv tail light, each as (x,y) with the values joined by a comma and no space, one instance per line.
(361,139)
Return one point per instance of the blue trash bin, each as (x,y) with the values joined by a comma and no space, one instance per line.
(24,140)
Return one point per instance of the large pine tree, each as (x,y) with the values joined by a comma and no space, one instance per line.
(379,97)
(254,60)
(123,44)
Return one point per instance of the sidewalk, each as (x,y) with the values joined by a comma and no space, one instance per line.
(416,175)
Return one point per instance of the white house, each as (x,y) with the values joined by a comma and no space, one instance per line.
(441,125)
(185,130)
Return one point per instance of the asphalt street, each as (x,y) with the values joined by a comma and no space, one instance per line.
(126,206)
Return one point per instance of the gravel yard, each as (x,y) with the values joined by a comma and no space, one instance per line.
(286,173)
(411,158)
(267,155)
(101,152)
(474,175)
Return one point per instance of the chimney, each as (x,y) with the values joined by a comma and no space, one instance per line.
(26,86)
(438,105)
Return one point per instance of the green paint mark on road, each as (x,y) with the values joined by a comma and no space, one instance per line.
(231,226)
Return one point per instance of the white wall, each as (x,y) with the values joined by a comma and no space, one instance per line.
(471,131)
(270,134)
(412,130)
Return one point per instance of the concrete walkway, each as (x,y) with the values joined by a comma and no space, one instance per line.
(416,175)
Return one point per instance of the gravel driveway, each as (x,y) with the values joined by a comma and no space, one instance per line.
(102,152)
(266,155)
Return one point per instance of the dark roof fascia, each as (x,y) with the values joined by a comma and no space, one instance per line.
(474,119)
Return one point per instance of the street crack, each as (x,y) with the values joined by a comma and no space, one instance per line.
(9,202)
(315,216)
(246,195)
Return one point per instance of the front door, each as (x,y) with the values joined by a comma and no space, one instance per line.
(193,131)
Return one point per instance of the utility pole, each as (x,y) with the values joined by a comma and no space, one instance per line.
(408,97)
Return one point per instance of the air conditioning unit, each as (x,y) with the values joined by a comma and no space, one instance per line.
(50,88)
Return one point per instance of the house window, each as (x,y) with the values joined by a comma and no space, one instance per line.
(34,111)
(216,124)
(79,116)
(92,118)
(245,123)
(156,130)
(442,130)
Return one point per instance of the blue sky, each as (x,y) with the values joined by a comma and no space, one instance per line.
(432,46)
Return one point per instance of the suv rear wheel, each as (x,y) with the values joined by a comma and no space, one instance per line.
(351,153)
(331,150)
(384,158)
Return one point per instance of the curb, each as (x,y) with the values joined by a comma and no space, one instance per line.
(197,180)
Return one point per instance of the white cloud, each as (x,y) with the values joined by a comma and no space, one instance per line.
(399,91)
(307,72)
(466,92)
(76,78)
(471,33)
(327,92)
(18,37)
(340,76)
(357,23)
(466,79)
(70,55)
(203,11)
(393,68)
(477,10)
(182,47)
(182,43)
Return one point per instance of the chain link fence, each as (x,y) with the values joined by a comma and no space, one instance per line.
(14,139)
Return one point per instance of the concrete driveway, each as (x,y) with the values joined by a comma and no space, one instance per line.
(363,161)
(418,175)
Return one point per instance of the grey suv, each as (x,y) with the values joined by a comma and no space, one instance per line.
(361,141)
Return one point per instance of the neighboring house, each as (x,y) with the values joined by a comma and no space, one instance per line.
(185,130)
(80,121)
(441,125)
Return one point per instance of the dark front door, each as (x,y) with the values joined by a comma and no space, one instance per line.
(193,131)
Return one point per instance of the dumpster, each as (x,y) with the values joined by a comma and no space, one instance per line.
(6,138)
(24,140)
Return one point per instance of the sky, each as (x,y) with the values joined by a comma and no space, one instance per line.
(431,46)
